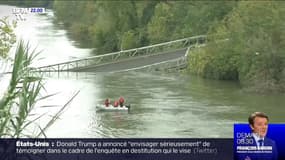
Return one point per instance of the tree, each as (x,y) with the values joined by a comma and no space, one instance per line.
(130,40)
(161,25)
(254,49)
(7,36)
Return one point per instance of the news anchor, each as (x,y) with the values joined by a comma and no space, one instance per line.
(258,123)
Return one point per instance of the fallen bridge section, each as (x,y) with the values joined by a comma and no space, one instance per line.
(135,62)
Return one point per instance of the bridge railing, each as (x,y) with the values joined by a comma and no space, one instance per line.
(170,65)
(124,54)
(174,64)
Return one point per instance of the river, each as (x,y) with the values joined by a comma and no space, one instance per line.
(162,104)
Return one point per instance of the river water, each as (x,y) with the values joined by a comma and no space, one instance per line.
(162,104)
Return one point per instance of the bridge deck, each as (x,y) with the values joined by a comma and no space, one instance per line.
(133,62)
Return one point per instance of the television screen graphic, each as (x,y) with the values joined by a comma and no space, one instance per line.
(246,147)
(141,79)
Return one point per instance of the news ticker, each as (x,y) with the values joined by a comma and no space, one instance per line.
(146,148)
(119,149)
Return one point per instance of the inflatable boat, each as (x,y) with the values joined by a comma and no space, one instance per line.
(112,108)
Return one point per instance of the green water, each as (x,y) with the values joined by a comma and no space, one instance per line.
(163,105)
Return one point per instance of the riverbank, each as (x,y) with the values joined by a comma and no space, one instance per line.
(249,71)
(253,54)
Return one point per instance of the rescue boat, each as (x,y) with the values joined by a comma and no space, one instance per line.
(112,108)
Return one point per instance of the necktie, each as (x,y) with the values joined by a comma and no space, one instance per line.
(260,142)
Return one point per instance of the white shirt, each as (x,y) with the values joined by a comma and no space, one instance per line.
(257,138)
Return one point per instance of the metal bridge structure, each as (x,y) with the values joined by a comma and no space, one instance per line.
(168,54)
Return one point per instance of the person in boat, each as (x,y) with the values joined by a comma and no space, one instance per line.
(107,102)
(121,101)
(116,103)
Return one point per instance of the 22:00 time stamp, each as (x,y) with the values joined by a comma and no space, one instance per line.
(28,10)
(37,10)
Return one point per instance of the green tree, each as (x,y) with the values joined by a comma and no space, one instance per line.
(7,36)
(130,40)
(161,25)
(255,45)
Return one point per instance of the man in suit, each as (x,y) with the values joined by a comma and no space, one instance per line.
(258,123)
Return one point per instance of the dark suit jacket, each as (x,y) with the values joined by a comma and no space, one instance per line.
(259,156)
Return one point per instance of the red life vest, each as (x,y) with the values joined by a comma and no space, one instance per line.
(116,104)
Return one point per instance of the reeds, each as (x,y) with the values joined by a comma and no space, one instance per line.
(21,97)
